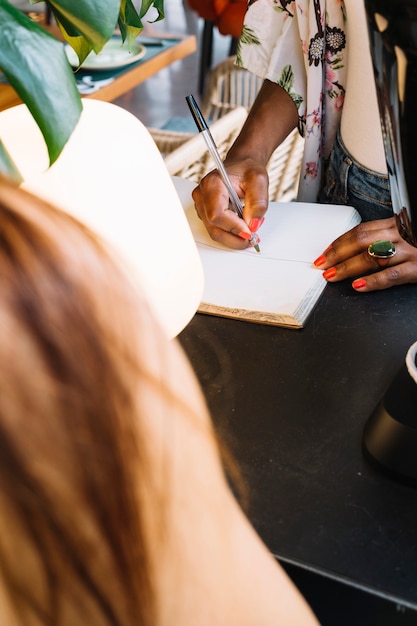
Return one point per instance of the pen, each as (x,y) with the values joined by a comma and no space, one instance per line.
(204,130)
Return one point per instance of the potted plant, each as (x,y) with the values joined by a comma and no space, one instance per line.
(35,64)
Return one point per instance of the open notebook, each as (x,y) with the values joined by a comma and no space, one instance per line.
(280,286)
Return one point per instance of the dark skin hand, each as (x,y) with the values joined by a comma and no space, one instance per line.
(348,257)
(246,166)
(273,116)
(223,225)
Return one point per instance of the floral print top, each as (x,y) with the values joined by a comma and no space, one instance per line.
(301,45)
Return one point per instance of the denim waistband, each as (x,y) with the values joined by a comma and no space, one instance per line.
(341,153)
(349,182)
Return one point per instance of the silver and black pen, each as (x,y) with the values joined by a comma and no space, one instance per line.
(203,128)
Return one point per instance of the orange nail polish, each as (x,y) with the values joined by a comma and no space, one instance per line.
(320,260)
(256,223)
(359,283)
(330,273)
(246,236)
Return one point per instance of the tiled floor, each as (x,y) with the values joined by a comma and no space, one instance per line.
(163,96)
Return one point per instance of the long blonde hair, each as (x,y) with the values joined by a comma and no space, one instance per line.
(74,530)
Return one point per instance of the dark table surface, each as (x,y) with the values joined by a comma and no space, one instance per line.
(294,404)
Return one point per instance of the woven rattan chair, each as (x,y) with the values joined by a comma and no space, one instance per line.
(192,160)
(284,168)
(229,87)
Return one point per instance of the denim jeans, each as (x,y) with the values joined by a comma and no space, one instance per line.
(348,182)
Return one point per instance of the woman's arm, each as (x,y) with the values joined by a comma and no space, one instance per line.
(272,117)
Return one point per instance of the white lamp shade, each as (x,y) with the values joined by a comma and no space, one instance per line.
(112,177)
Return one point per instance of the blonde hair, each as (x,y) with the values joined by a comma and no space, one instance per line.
(75,472)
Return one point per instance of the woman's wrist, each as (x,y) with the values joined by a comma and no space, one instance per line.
(250,146)
(272,117)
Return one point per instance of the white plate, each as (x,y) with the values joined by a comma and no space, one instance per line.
(112,55)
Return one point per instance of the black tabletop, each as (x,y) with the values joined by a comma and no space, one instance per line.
(294,404)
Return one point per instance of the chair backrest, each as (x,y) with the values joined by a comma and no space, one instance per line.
(192,160)
(284,168)
(228,87)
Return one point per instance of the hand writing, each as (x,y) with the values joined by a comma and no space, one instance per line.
(212,203)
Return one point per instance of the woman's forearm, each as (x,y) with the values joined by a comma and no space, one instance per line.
(272,117)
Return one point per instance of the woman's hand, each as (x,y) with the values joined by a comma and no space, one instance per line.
(348,257)
(271,118)
(212,202)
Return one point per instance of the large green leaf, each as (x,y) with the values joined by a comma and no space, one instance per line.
(130,21)
(36,66)
(95,20)
(85,24)
(80,45)
(130,24)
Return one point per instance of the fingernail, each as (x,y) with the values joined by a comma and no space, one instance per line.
(320,261)
(246,236)
(330,273)
(255,223)
(359,283)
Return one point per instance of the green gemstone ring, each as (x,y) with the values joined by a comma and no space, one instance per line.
(381,250)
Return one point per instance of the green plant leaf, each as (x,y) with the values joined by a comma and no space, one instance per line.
(80,46)
(157,4)
(36,66)
(130,21)
(71,35)
(130,24)
(7,165)
(95,20)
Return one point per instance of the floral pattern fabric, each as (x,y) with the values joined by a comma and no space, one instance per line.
(301,45)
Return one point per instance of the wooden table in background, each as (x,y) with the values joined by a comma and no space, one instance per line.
(130,76)
(133,76)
